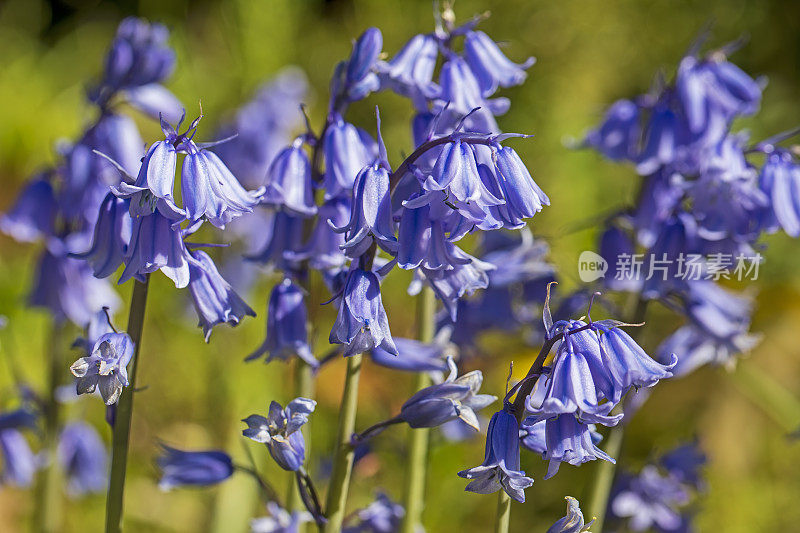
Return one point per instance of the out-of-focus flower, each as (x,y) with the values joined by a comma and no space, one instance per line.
(780,180)
(19,462)
(112,233)
(287,326)
(289,181)
(650,500)
(181,468)
(347,150)
(500,468)
(618,135)
(280,520)
(414,356)
(280,431)
(381,516)
(84,459)
(32,216)
(410,72)
(106,368)
(490,65)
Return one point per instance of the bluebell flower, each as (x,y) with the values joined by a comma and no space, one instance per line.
(490,65)
(659,199)
(263,127)
(67,288)
(381,516)
(619,134)
(280,431)
(371,214)
(139,55)
(500,468)
(627,363)
(214,299)
(698,348)
(156,245)
(84,459)
(780,180)
(566,440)
(347,150)
(410,72)
(414,356)
(284,244)
(714,87)
(289,181)
(451,284)
(19,462)
(19,418)
(677,236)
(722,314)
(360,80)
(112,233)
(524,198)
(650,500)
(280,520)
(573,522)
(287,326)
(456,397)
(684,463)
(208,189)
(323,248)
(615,246)
(33,214)
(105,368)
(425,242)
(86,175)
(362,324)
(664,134)
(460,88)
(180,468)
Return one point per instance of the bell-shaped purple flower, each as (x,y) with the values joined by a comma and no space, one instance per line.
(722,314)
(568,440)
(180,468)
(714,86)
(450,285)
(490,65)
(684,463)
(156,245)
(362,324)
(414,356)
(84,459)
(410,72)
(627,363)
(19,462)
(209,189)
(619,134)
(67,288)
(780,180)
(32,216)
(456,170)
(500,468)
(365,53)
(347,151)
(371,215)
(422,241)
(139,55)
(112,233)
(282,248)
(523,196)
(456,397)
(287,326)
(280,431)
(698,348)
(573,522)
(105,368)
(154,183)
(664,134)
(289,182)
(323,248)
(214,299)
(461,89)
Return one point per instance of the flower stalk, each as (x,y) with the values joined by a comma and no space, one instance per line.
(344,454)
(503,519)
(122,423)
(414,493)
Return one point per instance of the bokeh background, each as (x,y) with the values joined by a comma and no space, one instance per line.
(589,54)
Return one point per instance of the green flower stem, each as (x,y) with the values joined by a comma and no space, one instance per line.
(304,387)
(414,492)
(605,471)
(503,512)
(343,458)
(122,424)
(47,514)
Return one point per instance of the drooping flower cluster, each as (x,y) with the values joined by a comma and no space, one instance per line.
(704,202)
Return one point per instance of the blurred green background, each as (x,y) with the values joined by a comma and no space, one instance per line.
(589,54)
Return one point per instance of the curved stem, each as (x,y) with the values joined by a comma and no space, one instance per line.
(503,519)
(374,429)
(122,424)
(343,458)
(47,513)
(414,493)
